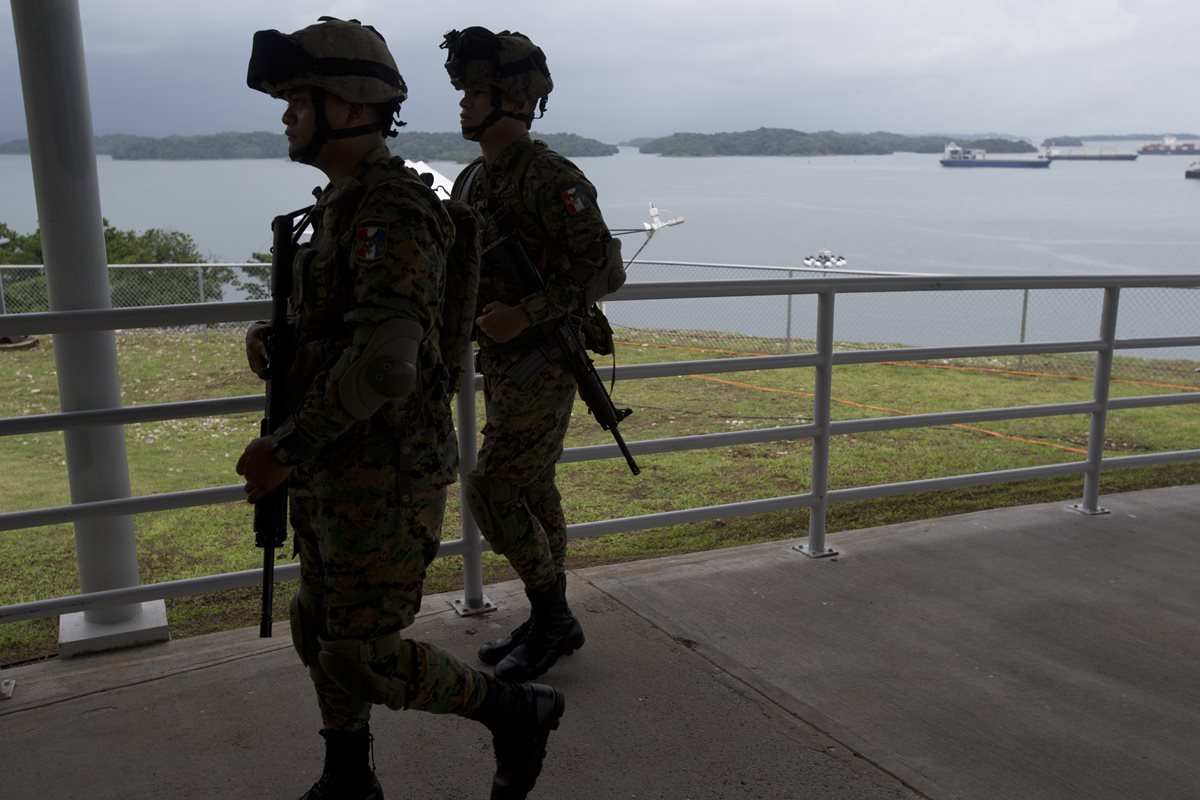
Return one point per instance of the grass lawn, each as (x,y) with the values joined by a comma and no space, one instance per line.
(161,366)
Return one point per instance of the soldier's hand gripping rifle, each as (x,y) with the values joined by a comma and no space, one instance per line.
(270,513)
(560,335)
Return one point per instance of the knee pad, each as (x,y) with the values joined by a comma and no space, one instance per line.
(306,615)
(498,508)
(374,670)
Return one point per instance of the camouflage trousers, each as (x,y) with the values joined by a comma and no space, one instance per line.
(365,536)
(522,441)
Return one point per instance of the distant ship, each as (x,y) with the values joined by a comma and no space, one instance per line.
(1053,154)
(1193,170)
(956,156)
(1170,146)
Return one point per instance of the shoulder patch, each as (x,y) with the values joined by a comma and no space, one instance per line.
(370,242)
(575,199)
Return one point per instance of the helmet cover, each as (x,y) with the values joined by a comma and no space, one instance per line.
(507,61)
(345,58)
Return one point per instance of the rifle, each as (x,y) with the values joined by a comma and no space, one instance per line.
(270,513)
(560,335)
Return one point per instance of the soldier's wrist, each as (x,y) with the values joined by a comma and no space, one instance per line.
(534,308)
(290,447)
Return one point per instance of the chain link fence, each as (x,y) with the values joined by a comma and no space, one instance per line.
(769,325)
(23,288)
(739,326)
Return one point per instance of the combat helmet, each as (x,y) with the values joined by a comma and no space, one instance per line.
(341,57)
(507,61)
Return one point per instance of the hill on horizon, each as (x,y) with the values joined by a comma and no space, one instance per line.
(416,146)
(450,146)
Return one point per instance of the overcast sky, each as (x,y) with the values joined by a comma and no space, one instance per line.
(622,69)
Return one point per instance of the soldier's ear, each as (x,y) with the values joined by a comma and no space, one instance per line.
(515,106)
(361,113)
(344,114)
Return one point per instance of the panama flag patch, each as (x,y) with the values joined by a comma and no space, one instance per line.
(371,241)
(575,200)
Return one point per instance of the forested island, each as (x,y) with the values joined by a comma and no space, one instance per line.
(127,147)
(452,147)
(1063,141)
(448,146)
(787,142)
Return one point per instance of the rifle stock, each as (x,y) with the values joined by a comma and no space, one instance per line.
(561,335)
(270,513)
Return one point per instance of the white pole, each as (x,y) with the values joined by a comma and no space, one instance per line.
(474,601)
(58,116)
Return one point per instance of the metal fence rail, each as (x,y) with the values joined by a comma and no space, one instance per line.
(824,290)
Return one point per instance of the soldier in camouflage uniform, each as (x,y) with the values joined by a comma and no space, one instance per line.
(369,448)
(521,184)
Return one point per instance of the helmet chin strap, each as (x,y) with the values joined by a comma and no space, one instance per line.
(475,132)
(324,133)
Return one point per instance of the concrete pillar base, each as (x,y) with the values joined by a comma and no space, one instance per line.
(77,636)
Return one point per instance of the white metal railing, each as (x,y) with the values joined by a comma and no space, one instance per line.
(821,431)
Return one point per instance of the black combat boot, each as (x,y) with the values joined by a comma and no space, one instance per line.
(493,652)
(555,632)
(520,717)
(348,773)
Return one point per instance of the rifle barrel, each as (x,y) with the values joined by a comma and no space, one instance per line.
(270,513)
(591,388)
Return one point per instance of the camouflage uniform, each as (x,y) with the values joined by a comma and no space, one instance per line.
(525,428)
(367,511)
(370,435)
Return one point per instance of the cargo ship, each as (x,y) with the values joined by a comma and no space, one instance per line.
(1170,146)
(956,156)
(1053,154)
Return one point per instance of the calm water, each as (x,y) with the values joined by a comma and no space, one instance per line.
(901,212)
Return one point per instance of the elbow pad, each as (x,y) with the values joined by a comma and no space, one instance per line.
(385,367)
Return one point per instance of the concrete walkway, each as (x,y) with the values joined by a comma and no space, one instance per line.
(1028,653)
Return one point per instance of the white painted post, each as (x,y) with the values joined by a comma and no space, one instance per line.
(1100,392)
(822,417)
(474,601)
(61,148)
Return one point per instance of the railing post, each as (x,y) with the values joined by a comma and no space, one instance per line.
(474,601)
(788,347)
(61,149)
(1024,317)
(814,546)
(1100,391)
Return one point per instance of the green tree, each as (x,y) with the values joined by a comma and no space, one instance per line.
(25,290)
(786,142)
(255,282)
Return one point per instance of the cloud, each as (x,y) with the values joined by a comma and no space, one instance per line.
(624,68)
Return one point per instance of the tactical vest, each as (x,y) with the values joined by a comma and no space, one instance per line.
(324,292)
(610,277)
(597,332)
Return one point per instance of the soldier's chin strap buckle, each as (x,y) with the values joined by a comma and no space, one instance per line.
(352,664)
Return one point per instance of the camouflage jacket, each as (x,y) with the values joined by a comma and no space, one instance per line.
(569,248)
(379,245)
